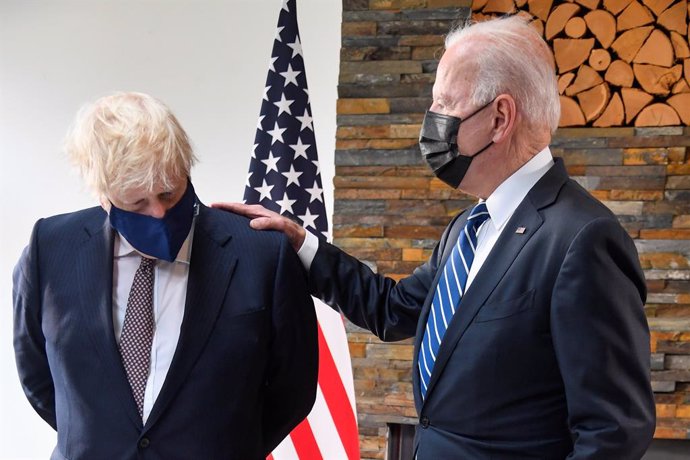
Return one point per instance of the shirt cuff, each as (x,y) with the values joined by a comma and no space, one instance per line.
(308,250)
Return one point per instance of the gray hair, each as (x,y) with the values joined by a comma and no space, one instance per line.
(515,61)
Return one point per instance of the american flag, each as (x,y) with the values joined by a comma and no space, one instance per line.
(284,176)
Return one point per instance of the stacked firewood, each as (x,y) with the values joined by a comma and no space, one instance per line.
(619,62)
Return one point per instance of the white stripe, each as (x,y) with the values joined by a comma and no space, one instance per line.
(457,282)
(477,215)
(285,450)
(462,257)
(469,239)
(422,379)
(426,366)
(433,314)
(450,299)
(325,432)
(334,332)
(431,350)
(320,419)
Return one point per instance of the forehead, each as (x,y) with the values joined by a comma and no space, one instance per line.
(454,75)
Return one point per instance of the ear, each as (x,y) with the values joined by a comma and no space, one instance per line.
(504,117)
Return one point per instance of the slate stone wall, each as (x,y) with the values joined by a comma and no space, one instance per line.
(390,211)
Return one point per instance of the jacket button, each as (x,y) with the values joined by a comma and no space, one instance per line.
(144,443)
(425,422)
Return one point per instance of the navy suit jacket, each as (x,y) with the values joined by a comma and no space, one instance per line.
(547,356)
(245,367)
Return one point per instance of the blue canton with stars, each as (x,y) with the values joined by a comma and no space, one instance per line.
(284,172)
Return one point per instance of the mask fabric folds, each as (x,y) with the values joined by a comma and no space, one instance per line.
(439,146)
(163,237)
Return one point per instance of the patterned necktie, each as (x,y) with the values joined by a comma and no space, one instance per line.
(137,331)
(449,291)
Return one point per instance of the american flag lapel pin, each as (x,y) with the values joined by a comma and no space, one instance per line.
(520,230)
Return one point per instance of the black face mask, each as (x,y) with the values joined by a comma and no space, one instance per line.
(439,145)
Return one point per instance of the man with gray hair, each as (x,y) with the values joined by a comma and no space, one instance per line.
(530,335)
(153,327)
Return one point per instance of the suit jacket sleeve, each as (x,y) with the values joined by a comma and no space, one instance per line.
(29,342)
(293,368)
(388,309)
(601,339)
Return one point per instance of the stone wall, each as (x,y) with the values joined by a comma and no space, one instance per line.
(390,211)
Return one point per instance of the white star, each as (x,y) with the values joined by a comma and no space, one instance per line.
(285,6)
(258,125)
(292,176)
(276,133)
(254,150)
(266,90)
(284,105)
(290,75)
(315,192)
(318,168)
(278,31)
(296,47)
(264,191)
(286,204)
(271,162)
(300,149)
(308,219)
(272,64)
(306,120)
(247,184)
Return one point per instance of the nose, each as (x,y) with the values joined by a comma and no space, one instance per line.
(157,209)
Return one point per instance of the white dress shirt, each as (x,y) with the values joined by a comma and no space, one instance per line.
(169,294)
(503,202)
(501,205)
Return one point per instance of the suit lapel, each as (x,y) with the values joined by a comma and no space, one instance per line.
(524,223)
(211,268)
(445,247)
(94,273)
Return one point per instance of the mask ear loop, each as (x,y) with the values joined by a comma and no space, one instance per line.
(467,118)
(477,111)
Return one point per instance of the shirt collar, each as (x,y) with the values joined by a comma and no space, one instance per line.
(508,196)
(123,248)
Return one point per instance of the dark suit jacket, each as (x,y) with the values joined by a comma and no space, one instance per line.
(244,370)
(548,354)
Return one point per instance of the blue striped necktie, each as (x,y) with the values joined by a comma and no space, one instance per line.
(449,291)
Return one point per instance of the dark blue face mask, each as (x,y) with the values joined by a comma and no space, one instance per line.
(160,238)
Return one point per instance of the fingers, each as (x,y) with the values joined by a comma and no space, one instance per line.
(265,219)
(264,223)
(294,231)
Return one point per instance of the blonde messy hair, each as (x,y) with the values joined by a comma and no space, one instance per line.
(129,140)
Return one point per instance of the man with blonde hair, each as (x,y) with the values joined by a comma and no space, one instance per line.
(530,335)
(153,327)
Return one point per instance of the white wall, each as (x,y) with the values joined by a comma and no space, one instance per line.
(207,59)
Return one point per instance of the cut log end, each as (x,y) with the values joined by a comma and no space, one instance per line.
(613,115)
(594,101)
(620,73)
(599,59)
(658,114)
(571,115)
(570,53)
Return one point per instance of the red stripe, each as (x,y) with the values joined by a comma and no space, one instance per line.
(337,400)
(304,441)
(270,457)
